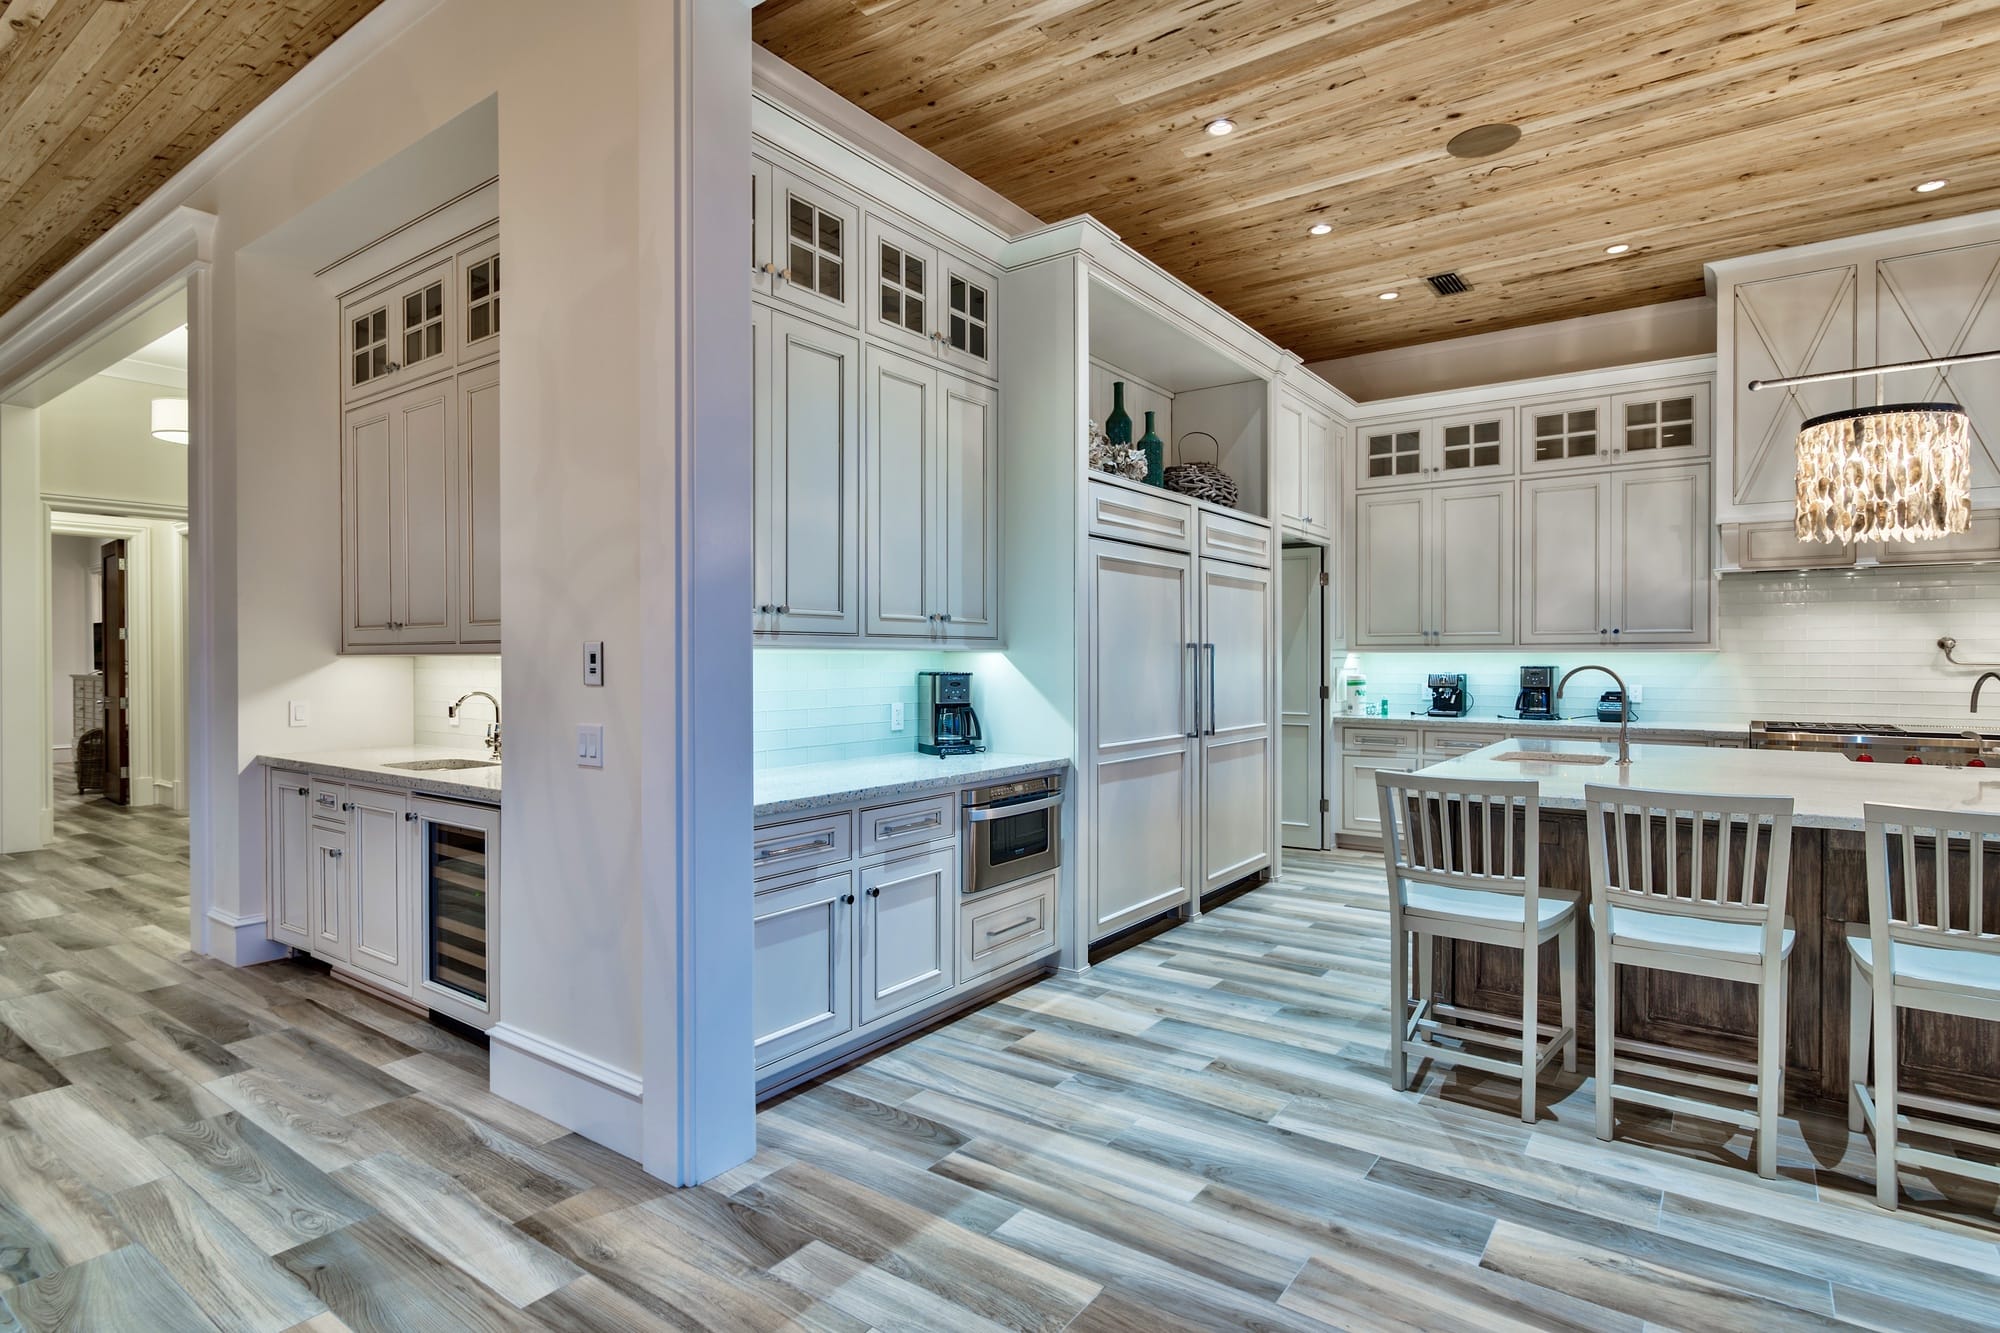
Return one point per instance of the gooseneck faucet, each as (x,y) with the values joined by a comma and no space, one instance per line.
(1979,685)
(493,731)
(1624,709)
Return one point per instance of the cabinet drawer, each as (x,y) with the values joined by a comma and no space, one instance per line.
(802,844)
(1378,740)
(1005,927)
(1450,744)
(1241,540)
(910,824)
(330,802)
(1141,516)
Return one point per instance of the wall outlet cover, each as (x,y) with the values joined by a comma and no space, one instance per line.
(298,713)
(1638,693)
(896,716)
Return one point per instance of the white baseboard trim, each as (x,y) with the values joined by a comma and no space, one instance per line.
(599,1101)
(241,941)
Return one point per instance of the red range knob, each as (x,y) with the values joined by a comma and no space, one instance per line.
(1975,763)
(1864,758)
(1913,759)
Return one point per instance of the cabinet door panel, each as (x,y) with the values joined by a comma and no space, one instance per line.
(1288,442)
(289,910)
(968,328)
(378,941)
(901,420)
(370,526)
(763,468)
(1317,469)
(903,288)
(1565,559)
(1472,596)
(1236,809)
(802,971)
(329,893)
(907,910)
(1798,324)
(763,245)
(969,441)
(479,483)
(1567,435)
(816,232)
(1235,616)
(1661,561)
(427,513)
(1141,843)
(1302,712)
(1391,544)
(816,475)
(1475,444)
(1360,809)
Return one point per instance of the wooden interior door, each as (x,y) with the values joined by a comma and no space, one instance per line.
(117,737)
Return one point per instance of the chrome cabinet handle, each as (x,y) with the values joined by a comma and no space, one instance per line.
(931,820)
(324,799)
(1022,924)
(1211,689)
(796,848)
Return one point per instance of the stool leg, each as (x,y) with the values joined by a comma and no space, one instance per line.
(1859,1020)
(1886,1184)
(1426,958)
(1566,970)
(1605,1016)
(1531,978)
(1399,1007)
(1770,1068)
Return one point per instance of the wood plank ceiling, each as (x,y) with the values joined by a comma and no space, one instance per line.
(101,101)
(1688,129)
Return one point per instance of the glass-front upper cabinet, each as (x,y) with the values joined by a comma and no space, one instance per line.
(929,300)
(479,290)
(966,333)
(1393,452)
(814,235)
(399,332)
(1661,425)
(1475,444)
(1569,434)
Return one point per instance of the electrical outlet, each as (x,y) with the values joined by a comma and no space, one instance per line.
(590,745)
(298,713)
(1637,693)
(896,716)
(593,663)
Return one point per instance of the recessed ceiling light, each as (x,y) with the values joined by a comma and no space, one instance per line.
(1484,140)
(1932,186)
(1320,228)
(1386,296)
(1220,126)
(1617,249)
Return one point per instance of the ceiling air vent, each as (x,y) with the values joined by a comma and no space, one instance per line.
(1448,284)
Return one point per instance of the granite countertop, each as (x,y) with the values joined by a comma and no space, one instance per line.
(1586,725)
(481,785)
(1828,790)
(802,787)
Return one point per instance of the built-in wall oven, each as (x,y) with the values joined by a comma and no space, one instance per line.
(1012,831)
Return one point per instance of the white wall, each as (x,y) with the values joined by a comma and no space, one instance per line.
(1825,646)
(98,450)
(71,563)
(1592,342)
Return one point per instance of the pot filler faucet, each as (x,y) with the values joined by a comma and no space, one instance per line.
(1624,712)
(493,730)
(1979,685)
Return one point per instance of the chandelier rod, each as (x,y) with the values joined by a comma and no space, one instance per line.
(1821,377)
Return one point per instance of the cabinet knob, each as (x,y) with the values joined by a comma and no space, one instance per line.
(784,610)
(409,816)
(305,791)
(946,617)
(874,893)
(847,898)
(334,852)
(347,805)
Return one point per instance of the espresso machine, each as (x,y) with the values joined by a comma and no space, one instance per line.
(1537,700)
(946,723)
(1449,697)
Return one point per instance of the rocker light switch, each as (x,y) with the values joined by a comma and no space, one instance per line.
(298,714)
(593,663)
(590,746)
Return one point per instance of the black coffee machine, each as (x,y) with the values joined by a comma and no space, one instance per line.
(946,723)
(1449,697)
(1537,700)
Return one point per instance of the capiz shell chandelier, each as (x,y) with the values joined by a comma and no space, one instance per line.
(1897,472)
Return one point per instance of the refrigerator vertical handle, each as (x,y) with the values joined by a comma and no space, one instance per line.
(1194,691)
(1211,690)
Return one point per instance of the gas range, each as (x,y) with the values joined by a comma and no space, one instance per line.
(1880,743)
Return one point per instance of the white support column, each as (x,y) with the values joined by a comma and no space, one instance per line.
(24,756)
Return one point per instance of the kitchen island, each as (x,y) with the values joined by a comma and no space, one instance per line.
(1827,894)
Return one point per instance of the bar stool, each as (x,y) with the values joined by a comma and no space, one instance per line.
(1927,918)
(1657,904)
(1462,860)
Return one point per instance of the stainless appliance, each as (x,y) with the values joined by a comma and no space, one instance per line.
(1449,697)
(1879,743)
(1537,700)
(1611,707)
(946,723)
(1012,831)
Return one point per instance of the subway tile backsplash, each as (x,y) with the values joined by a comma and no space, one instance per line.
(815,706)
(1821,646)
(436,682)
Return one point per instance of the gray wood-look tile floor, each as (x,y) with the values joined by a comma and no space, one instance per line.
(1198,1134)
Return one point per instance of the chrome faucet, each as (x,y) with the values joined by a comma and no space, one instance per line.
(1979,685)
(493,730)
(1624,709)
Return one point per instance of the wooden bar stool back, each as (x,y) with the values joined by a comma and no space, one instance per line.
(1933,910)
(1691,883)
(1463,863)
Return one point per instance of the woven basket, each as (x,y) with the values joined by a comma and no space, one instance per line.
(90,761)
(1202,481)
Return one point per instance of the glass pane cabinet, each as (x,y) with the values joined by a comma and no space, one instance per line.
(1391,453)
(457,855)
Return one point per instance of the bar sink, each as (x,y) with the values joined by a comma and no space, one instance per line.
(441,765)
(1551,757)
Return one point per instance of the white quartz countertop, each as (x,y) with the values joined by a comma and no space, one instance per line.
(372,767)
(1713,729)
(1828,790)
(801,787)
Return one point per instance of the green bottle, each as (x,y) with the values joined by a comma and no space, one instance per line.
(1156,453)
(1118,426)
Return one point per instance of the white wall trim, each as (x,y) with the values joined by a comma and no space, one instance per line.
(91,504)
(240,941)
(597,1100)
(1609,380)
(621,1081)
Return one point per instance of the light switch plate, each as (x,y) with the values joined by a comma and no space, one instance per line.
(298,713)
(593,663)
(590,745)
(896,716)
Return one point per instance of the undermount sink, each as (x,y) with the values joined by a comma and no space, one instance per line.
(1551,757)
(442,765)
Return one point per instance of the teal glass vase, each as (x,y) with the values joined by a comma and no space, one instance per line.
(1118,426)
(1156,453)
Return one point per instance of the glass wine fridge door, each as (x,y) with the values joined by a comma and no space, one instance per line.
(458,851)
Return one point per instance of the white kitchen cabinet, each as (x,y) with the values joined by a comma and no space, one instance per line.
(1322,439)
(289,859)
(1574,433)
(379,929)
(1435,567)
(400,330)
(1392,453)
(929,300)
(479,504)
(1141,732)
(329,906)
(1302,705)
(400,493)
(1618,557)
(908,952)
(1566,559)
(1236,801)
(1661,425)
(932,514)
(802,965)
(1302,454)
(969,338)
(1462,446)
(805,234)
(1360,808)
(808,470)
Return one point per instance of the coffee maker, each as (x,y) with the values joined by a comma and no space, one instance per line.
(946,723)
(1537,700)
(1449,697)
